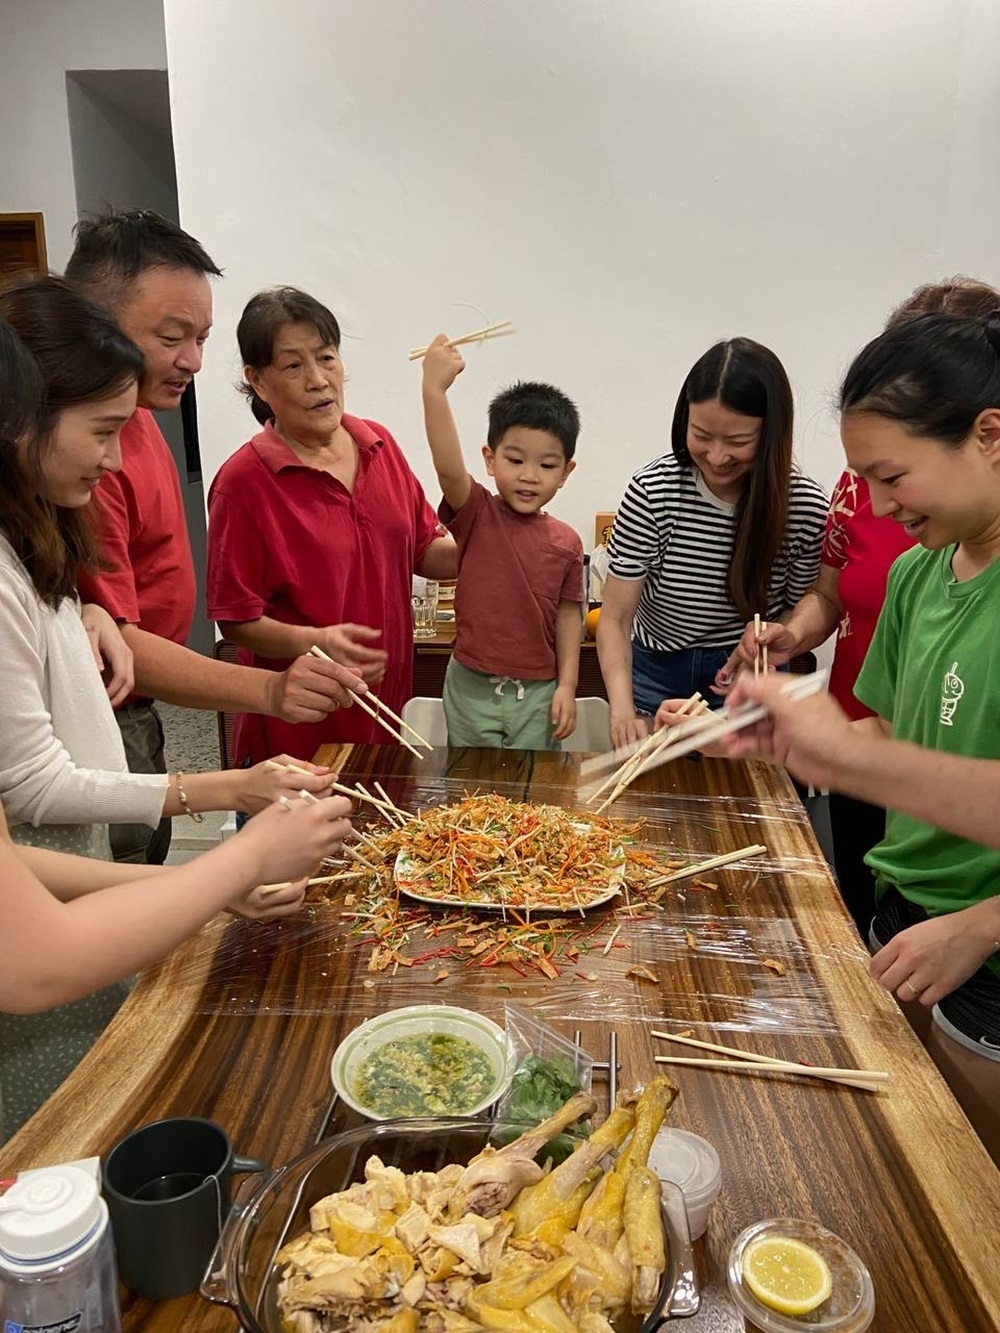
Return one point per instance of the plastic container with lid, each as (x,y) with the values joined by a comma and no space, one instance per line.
(689,1161)
(57,1262)
(849,1308)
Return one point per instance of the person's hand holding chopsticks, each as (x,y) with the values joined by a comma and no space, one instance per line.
(781,644)
(677,713)
(310,689)
(352,646)
(269,781)
(442,365)
(286,843)
(805,735)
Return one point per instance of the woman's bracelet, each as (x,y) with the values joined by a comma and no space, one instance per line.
(196,815)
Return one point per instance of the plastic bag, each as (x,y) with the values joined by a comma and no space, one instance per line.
(548,1070)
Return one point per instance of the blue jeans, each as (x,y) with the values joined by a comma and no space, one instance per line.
(658,676)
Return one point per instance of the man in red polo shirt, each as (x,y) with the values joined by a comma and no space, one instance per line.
(154,278)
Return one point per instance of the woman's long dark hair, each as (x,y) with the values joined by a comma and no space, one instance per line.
(748,378)
(264,315)
(932,375)
(20,390)
(80,356)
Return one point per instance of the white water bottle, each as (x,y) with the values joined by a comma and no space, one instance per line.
(57,1261)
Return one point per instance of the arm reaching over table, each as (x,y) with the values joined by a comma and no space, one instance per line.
(806,626)
(306,692)
(614,650)
(73,925)
(821,745)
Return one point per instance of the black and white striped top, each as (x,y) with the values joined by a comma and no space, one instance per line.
(673,532)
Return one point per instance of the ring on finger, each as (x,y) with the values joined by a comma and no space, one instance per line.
(913,990)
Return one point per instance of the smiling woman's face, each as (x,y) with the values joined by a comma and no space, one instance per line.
(83,447)
(303,385)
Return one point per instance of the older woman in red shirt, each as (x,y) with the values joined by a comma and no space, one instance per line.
(316,526)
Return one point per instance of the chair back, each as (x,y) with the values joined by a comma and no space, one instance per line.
(427,716)
(224,651)
(593,727)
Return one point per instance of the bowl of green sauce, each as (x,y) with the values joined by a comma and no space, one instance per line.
(424,1060)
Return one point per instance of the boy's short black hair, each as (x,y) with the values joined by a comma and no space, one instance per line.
(537,407)
(115,248)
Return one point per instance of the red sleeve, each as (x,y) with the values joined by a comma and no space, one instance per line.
(114,587)
(234,577)
(843,503)
(460,522)
(426,528)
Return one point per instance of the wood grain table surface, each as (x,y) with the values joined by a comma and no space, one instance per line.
(240,1024)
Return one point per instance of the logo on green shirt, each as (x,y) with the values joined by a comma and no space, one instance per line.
(952,689)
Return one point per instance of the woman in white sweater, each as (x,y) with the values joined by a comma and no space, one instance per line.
(62,765)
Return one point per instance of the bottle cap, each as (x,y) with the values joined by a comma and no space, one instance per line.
(47,1213)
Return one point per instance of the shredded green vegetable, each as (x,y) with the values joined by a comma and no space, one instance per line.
(426,1074)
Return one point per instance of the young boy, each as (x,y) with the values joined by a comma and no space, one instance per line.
(511,682)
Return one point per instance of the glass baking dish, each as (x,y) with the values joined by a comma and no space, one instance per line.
(243,1275)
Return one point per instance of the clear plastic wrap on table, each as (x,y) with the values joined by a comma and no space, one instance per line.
(712,953)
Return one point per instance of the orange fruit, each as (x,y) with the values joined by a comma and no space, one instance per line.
(591,622)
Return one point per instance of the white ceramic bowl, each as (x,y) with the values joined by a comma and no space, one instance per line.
(418,1020)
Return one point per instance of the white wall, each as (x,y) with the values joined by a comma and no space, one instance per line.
(39,41)
(628,180)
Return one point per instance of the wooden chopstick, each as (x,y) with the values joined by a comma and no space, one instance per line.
(868,1080)
(266,890)
(360,793)
(643,748)
(384,708)
(871,1076)
(480,335)
(391,812)
(316,651)
(665,738)
(701,731)
(713,864)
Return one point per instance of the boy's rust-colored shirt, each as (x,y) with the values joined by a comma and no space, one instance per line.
(513,571)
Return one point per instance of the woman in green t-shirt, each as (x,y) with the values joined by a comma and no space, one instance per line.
(920,412)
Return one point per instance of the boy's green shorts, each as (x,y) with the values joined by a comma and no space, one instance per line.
(498,712)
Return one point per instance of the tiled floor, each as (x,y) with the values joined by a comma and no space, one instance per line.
(193,747)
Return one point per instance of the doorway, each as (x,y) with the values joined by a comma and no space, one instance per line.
(123,157)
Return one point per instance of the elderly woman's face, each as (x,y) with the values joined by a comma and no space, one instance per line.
(304,384)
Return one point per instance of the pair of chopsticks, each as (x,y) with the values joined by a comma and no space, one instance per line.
(500,330)
(637,761)
(362,701)
(714,863)
(760,666)
(745,1062)
(706,729)
(383,802)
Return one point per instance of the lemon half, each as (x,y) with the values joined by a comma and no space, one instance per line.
(786,1274)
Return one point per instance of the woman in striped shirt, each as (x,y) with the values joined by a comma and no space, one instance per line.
(720,529)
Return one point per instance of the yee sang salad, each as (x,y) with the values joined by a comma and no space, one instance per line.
(488,851)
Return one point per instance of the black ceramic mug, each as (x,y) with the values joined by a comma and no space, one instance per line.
(168,1190)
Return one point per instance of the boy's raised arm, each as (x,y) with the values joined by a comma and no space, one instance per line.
(442,364)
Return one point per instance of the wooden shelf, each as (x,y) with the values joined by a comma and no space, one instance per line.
(431,657)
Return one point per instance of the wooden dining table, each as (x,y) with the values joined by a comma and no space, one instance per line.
(240,1024)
